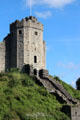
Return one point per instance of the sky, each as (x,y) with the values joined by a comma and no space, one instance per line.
(61,20)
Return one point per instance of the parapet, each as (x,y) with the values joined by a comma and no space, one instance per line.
(26,22)
(34,19)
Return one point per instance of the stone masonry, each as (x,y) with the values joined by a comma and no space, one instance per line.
(23,45)
(75,112)
(2,56)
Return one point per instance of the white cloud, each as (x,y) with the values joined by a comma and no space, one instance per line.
(57,3)
(69,65)
(49,3)
(44,15)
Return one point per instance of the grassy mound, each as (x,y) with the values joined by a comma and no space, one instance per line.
(21,98)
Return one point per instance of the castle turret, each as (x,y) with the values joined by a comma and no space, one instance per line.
(26,44)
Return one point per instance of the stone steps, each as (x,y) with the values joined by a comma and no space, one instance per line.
(55,87)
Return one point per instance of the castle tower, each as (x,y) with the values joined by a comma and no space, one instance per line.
(26,45)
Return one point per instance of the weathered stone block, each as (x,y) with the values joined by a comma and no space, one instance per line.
(43,73)
(75,112)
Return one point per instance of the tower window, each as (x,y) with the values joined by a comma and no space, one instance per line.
(36,33)
(35,59)
(20,32)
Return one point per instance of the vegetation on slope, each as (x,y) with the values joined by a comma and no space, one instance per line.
(73,92)
(21,98)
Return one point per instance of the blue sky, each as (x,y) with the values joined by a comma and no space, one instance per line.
(61,19)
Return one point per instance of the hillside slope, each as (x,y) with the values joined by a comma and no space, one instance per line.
(22,98)
(74,93)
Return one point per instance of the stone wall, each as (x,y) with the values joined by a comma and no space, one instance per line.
(13,48)
(33,44)
(27,43)
(7,40)
(20,48)
(44,55)
(75,112)
(24,45)
(2,56)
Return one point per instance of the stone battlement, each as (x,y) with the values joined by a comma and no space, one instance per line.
(24,45)
(26,22)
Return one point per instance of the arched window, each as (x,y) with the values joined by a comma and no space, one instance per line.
(35,59)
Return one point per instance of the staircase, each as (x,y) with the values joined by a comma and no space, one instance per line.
(55,87)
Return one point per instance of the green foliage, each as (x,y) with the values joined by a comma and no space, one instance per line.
(3,77)
(14,79)
(21,98)
(57,78)
(14,70)
(7,116)
(73,92)
(27,82)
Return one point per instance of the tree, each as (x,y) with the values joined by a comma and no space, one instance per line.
(78,84)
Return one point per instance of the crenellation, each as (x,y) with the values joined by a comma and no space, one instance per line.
(24,44)
(26,22)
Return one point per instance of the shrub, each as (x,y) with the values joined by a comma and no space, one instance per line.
(8,91)
(43,92)
(13,83)
(23,116)
(7,116)
(4,78)
(27,81)
(2,74)
(14,70)
(57,78)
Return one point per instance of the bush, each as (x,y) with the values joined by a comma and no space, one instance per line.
(57,78)
(8,91)
(13,83)
(2,74)
(14,70)
(7,116)
(4,78)
(43,92)
(26,81)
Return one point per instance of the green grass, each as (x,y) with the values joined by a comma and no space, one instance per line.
(73,92)
(21,98)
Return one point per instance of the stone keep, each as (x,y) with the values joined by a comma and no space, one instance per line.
(75,112)
(24,45)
